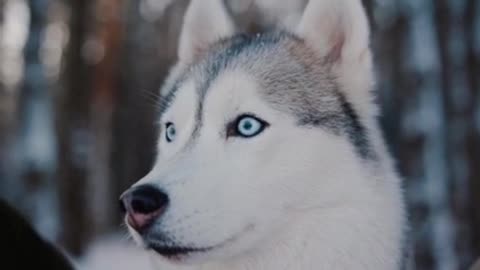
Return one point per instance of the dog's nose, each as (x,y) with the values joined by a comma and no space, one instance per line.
(142,205)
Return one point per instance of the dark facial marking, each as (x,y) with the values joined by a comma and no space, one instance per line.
(218,60)
(355,130)
(166,101)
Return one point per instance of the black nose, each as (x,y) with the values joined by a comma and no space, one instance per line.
(143,204)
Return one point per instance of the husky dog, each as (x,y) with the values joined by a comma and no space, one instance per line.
(269,154)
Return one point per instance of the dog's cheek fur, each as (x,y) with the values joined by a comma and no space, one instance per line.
(226,184)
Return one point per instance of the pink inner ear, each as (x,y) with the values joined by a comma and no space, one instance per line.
(337,41)
(199,49)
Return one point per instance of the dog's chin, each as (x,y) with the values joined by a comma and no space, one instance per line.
(179,253)
(170,251)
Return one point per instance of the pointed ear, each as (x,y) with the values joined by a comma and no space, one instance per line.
(205,22)
(337,29)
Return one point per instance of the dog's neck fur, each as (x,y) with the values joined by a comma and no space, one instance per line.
(364,232)
(361,231)
(359,234)
(326,239)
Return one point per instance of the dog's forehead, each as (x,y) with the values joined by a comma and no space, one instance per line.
(288,72)
(292,79)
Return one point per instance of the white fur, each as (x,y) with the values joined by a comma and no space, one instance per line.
(291,198)
(289,205)
(206,21)
(113,253)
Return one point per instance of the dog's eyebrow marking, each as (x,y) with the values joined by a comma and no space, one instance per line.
(218,61)
(206,70)
(167,100)
(345,121)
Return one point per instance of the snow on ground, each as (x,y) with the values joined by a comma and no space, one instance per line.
(116,253)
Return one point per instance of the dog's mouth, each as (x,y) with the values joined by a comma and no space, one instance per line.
(181,253)
(177,253)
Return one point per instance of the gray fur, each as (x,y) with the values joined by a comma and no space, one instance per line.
(294,80)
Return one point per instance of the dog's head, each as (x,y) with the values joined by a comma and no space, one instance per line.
(255,130)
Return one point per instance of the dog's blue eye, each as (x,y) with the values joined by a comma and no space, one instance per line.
(170,132)
(247,126)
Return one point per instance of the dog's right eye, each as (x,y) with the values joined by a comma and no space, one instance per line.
(170,132)
(246,126)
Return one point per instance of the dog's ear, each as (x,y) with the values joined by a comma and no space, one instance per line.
(337,29)
(205,22)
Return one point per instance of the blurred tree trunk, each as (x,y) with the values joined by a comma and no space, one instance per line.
(472,140)
(35,136)
(460,111)
(4,124)
(428,82)
(108,35)
(74,132)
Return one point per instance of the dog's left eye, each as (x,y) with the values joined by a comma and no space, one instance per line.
(246,126)
(170,132)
